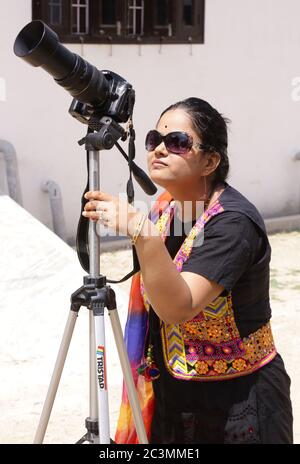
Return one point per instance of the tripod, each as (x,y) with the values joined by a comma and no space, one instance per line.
(96,296)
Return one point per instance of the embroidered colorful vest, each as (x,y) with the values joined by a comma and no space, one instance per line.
(209,347)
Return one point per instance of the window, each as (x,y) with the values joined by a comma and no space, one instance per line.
(161,12)
(80,16)
(136,16)
(188,13)
(55,12)
(109,12)
(123,21)
(162,18)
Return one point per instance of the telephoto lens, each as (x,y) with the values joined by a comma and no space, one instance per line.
(39,45)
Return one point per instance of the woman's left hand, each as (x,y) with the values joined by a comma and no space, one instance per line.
(112,212)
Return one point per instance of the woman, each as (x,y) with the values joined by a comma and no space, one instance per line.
(209,371)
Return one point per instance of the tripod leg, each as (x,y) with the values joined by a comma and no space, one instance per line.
(60,361)
(93,372)
(100,368)
(126,368)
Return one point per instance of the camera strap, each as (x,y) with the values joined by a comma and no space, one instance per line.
(131,149)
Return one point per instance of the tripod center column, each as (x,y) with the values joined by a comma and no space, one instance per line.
(94,242)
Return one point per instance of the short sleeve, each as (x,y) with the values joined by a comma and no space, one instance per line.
(228,248)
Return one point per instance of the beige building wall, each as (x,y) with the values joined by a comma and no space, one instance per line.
(248,68)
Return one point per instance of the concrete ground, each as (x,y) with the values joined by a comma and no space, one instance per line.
(37,276)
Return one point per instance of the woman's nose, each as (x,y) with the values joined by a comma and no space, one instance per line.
(161,150)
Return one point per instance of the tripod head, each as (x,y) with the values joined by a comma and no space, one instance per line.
(109,132)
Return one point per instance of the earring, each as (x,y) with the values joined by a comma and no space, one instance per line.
(204,197)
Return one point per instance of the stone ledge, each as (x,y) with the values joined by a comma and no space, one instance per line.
(283,224)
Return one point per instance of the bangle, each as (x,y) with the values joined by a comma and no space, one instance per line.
(138,228)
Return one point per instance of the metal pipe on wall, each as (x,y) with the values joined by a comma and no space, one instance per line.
(12,172)
(56,204)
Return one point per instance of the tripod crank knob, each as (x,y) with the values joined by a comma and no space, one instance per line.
(102,140)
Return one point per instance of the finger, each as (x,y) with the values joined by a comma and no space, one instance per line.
(93,215)
(105,205)
(93,206)
(97,205)
(91,194)
(97,195)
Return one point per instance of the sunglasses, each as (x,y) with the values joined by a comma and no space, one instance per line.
(179,143)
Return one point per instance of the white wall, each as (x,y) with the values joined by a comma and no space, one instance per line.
(245,69)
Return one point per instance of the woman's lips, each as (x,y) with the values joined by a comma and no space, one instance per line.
(157,163)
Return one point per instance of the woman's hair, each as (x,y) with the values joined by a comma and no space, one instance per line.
(211,127)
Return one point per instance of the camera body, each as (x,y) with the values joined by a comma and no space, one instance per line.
(118,105)
(122,97)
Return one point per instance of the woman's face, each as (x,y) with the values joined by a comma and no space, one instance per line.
(172,170)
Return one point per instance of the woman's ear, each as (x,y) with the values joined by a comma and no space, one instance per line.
(213,160)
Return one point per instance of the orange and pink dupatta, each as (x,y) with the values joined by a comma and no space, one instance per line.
(135,335)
